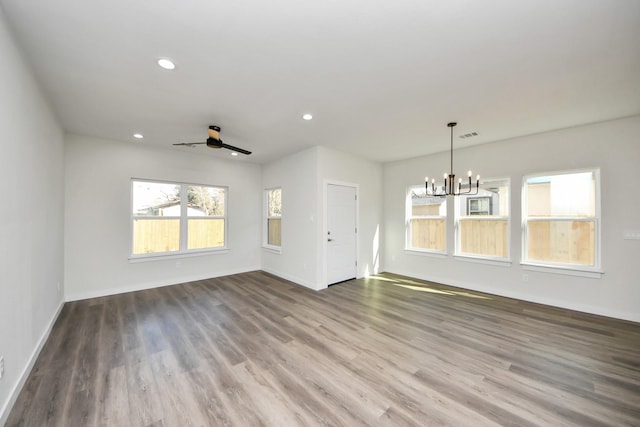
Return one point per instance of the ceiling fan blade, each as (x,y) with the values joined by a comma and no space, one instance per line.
(189,144)
(232,148)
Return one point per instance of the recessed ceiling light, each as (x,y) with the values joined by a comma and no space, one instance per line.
(138,136)
(307,116)
(233,153)
(167,64)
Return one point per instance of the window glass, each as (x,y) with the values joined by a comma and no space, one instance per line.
(426,221)
(205,201)
(156,199)
(273,199)
(153,236)
(205,233)
(482,221)
(568,195)
(561,221)
(176,217)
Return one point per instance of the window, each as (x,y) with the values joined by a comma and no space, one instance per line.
(479,206)
(561,220)
(170,218)
(273,214)
(482,221)
(426,221)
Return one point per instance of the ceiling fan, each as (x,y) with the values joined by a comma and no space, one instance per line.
(214,141)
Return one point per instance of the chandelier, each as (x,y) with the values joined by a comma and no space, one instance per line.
(449,186)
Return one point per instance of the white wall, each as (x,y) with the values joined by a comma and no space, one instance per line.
(303,177)
(97,215)
(297,175)
(613,146)
(31,233)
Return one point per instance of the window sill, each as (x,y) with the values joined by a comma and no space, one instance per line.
(500,262)
(161,257)
(569,271)
(272,249)
(435,254)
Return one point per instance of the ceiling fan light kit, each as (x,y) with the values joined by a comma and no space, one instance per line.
(214,141)
(448,188)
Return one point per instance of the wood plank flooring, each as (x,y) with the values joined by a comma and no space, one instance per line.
(255,350)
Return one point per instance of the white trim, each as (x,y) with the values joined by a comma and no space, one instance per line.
(295,279)
(480,259)
(155,284)
(325,226)
(562,269)
(160,256)
(425,252)
(22,379)
(272,249)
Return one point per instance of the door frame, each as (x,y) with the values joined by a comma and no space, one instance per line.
(325,226)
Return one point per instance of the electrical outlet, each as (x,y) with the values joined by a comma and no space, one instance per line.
(525,277)
(1,367)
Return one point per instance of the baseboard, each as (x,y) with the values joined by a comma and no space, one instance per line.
(294,279)
(17,388)
(599,311)
(151,285)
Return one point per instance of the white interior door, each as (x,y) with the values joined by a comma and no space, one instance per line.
(341,233)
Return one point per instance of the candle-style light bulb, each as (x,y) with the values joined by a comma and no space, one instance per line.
(469,174)
(478,178)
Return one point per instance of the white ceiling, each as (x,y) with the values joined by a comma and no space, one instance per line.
(382,78)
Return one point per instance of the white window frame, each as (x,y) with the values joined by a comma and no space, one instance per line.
(459,206)
(265,221)
(408,217)
(594,271)
(184,218)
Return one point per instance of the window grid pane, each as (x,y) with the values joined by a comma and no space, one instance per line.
(205,233)
(484,237)
(562,241)
(155,235)
(429,234)
(566,195)
(274,231)
(275,203)
(205,201)
(156,199)
(483,221)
